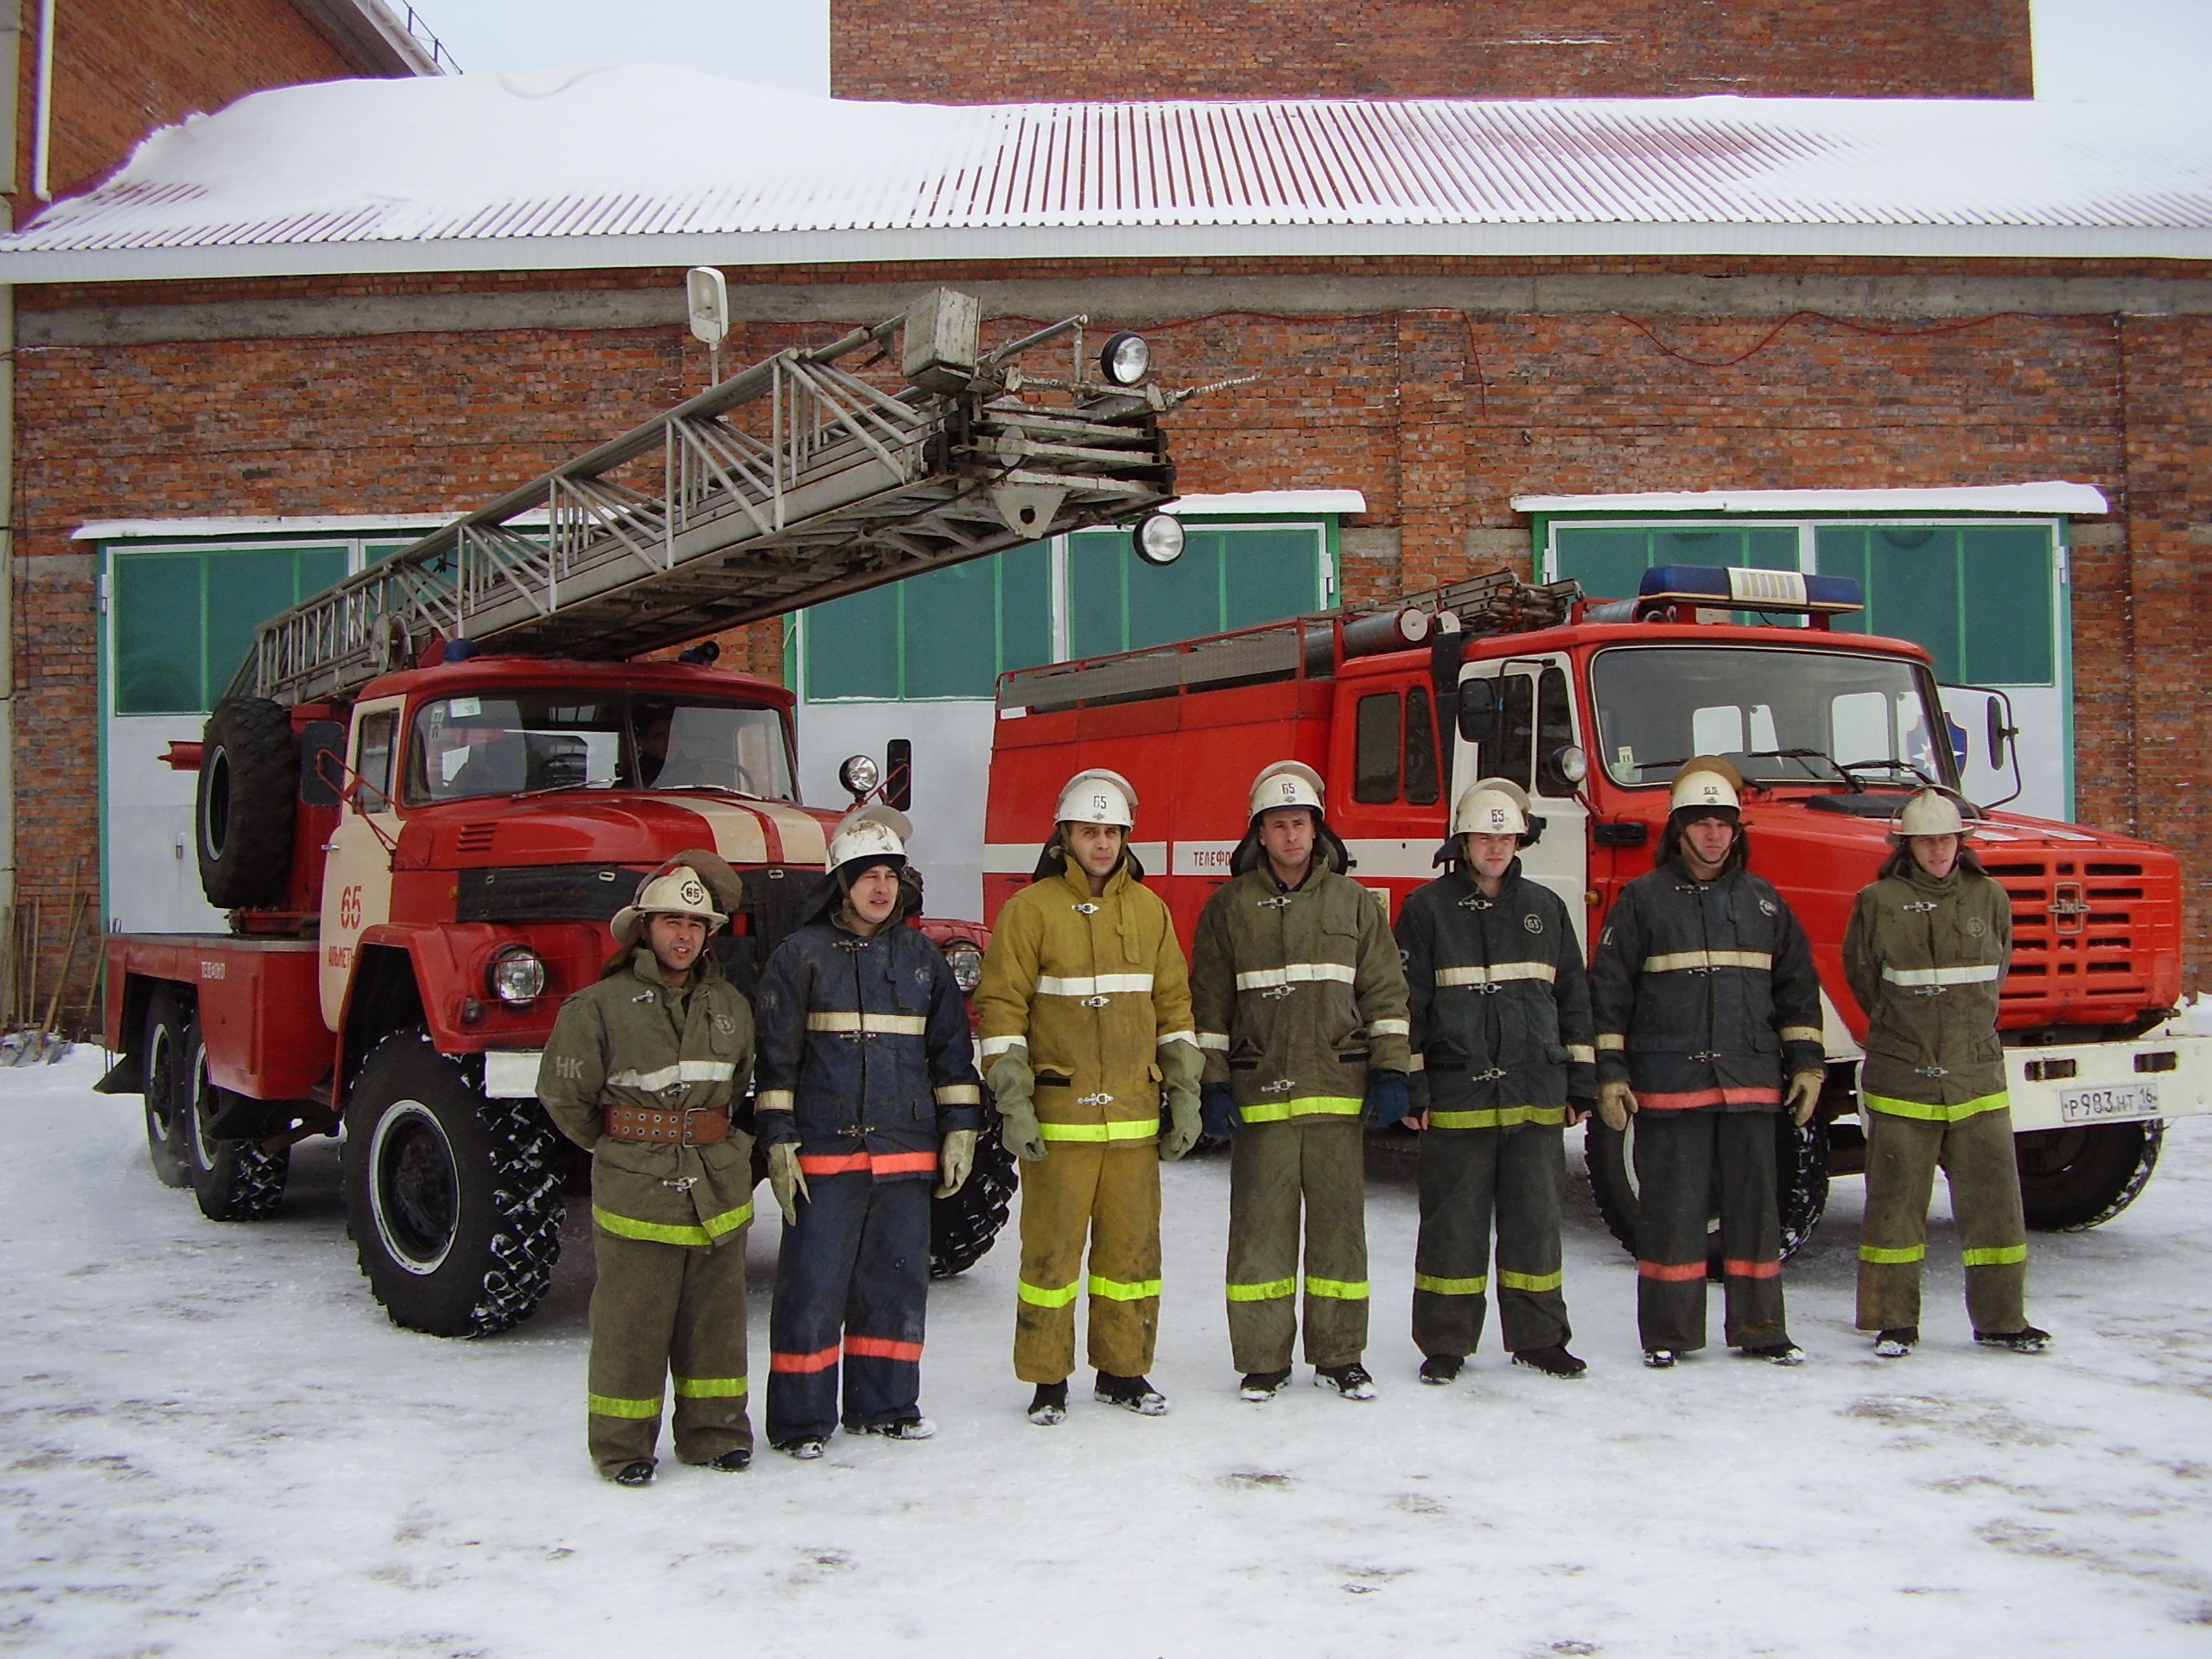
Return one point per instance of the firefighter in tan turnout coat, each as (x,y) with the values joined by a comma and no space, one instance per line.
(1300,1005)
(641,1069)
(1084,1015)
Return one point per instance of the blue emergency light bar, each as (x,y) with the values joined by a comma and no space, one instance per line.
(1732,587)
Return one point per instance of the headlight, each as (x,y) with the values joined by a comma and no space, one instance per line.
(516,975)
(860,775)
(967,964)
(1158,538)
(1125,359)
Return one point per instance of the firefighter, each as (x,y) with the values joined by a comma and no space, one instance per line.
(1502,1061)
(641,1069)
(868,1098)
(1925,954)
(1708,1023)
(1084,1016)
(1300,1005)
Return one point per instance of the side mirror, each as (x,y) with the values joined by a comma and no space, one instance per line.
(322,763)
(1998,732)
(899,774)
(1478,709)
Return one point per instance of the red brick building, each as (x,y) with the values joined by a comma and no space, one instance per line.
(1450,308)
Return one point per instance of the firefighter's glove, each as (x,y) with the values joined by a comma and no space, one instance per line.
(786,1180)
(955,1158)
(1615,1102)
(1387,1103)
(1217,1110)
(1181,1065)
(1014,1086)
(1804,1095)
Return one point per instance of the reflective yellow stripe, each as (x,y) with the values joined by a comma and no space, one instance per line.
(667,1076)
(1389,1027)
(1123,1290)
(995,1047)
(1497,973)
(1430,1282)
(1037,1296)
(1140,1128)
(607,1405)
(1342,1290)
(1998,1256)
(711,1387)
(1675,962)
(1801,1033)
(960,1094)
(1503,1118)
(775,1100)
(1875,1253)
(1091,984)
(877,1025)
(1984,974)
(1933,1114)
(1273,1111)
(1535,1283)
(1267,1293)
(1296,973)
(1582,1052)
(1612,1040)
(657,1232)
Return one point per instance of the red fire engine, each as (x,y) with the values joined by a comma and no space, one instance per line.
(1590,705)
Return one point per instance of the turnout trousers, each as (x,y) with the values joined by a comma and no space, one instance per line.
(852,1293)
(1275,1169)
(658,1309)
(1976,1155)
(1109,1195)
(1467,1177)
(1676,1153)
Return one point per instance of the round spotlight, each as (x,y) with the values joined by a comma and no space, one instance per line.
(1158,538)
(860,775)
(516,976)
(1125,358)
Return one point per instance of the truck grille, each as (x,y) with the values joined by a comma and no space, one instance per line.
(2079,930)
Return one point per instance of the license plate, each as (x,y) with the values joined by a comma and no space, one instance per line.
(2097,1105)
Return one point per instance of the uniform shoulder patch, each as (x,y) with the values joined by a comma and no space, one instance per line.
(1533,922)
(1976,927)
(1770,907)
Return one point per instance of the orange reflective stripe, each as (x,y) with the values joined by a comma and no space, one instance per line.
(1647,1100)
(1673,1272)
(821,1362)
(903,1163)
(1735,1269)
(832,1163)
(883,1348)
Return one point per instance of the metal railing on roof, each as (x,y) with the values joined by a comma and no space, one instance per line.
(413,23)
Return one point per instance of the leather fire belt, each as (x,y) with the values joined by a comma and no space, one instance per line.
(701,1126)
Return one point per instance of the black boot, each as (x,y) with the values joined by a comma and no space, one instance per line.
(639,1473)
(2027,1340)
(1133,1393)
(1554,1361)
(1439,1368)
(1049,1405)
(1262,1385)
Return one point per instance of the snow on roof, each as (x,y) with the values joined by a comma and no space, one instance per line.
(610,165)
(2051,497)
(1263,502)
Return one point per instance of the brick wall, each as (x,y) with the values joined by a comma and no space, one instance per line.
(1439,417)
(981,52)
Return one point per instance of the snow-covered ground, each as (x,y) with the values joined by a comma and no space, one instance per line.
(216,1444)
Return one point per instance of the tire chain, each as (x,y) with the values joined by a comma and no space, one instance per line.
(258,1185)
(963,1227)
(527,1189)
(2147,1161)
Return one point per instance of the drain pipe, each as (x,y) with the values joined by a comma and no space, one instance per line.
(12,37)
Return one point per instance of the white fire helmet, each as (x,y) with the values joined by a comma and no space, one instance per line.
(1287,783)
(1097,796)
(874,833)
(1707,784)
(1929,813)
(678,891)
(1491,806)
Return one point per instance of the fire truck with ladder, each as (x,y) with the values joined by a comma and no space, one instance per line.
(428,789)
(1590,705)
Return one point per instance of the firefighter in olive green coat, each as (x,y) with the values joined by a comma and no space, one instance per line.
(1300,1004)
(1925,954)
(641,1069)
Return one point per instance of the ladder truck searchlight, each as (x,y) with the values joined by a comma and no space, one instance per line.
(1591,706)
(429,790)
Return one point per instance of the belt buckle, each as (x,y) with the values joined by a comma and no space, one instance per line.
(1094,1002)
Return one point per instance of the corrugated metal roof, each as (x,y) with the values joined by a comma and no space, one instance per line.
(648,164)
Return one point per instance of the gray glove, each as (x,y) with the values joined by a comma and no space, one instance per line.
(1615,1102)
(786,1180)
(1012,1087)
(1181,1065)
(955,1159)
(1804,1096)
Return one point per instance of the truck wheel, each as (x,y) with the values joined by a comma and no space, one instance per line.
(454,1199)
(1801,1183)
(249,782)
(963,1227)
(163,1071)
(2072,1179)
(234,1181)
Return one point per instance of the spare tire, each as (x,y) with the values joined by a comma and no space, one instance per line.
(249,787)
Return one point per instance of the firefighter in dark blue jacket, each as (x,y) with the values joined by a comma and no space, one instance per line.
(868,1096)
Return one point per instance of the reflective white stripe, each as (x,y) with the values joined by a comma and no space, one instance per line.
(1800,1033)
(1497,973)
(1582,1052)
(1295,972)
(1978,975)
(1216,1041)
(888,1025)
(1096,985)
(1680,961)
(1167,1037)
(1612,1039)
(995,1047)
(960,1094)
(682,1072)
(775,1100)
(1389,1027)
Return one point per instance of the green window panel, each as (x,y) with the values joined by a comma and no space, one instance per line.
(1610,561)
(183,622)
(1980,597)
(1229,577)
(944,633)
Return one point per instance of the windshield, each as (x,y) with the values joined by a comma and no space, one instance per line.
(1658,705)
(514,742)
